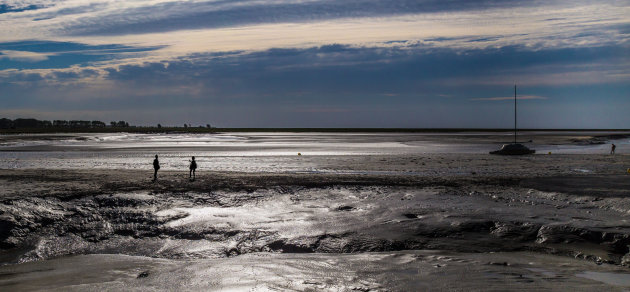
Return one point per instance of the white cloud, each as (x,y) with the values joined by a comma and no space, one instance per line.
(554,25)
(24,56)
(453,30)
(551,26)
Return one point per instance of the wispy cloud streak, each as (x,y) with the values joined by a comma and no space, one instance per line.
(524,97)
(24,56)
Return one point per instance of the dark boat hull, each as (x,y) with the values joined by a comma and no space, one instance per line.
(513,149)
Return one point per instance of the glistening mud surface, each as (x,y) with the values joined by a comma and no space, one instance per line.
(385,271)
(342,214)
(541,225)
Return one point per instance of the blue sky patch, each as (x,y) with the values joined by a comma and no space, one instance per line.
(61,54)
(8,9)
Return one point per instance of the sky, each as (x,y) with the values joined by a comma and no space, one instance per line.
(318,63)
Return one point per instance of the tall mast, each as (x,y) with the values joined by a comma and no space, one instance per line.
(514,112)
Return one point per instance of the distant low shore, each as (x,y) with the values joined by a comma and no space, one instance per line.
(200,130)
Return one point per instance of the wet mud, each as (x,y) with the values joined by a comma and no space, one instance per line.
(359,223)
(385,271)
(236,214)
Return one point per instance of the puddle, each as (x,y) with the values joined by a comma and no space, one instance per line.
(542,272)
(616,279)
(278,216)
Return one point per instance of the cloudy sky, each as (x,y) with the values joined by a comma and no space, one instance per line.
(318,63)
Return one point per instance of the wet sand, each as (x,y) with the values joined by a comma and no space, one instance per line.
(383,271)
(472,222)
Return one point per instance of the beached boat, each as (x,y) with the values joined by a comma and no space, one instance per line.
(514,148)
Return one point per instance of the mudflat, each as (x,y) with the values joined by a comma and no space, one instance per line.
(439,221)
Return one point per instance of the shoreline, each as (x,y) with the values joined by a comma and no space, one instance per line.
(199,130)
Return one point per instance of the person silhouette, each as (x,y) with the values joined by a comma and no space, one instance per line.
(612,149)
(156,167)
(193,167)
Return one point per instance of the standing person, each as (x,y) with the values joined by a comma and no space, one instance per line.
(193,167)
(156,167)
(612,149)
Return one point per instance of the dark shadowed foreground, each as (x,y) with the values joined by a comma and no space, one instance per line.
(438,222)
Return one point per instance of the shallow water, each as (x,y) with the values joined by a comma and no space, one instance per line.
(616,279)
(249,152)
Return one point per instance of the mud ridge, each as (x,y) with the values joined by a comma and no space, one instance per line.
(155,224)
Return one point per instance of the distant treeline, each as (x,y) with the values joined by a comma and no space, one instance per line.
(8,126)
(34,123)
